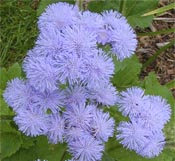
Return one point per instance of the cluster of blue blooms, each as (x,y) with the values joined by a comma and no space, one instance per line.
(148,114)
(68,77)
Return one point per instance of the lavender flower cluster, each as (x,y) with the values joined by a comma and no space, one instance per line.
(148,114)
(68,78)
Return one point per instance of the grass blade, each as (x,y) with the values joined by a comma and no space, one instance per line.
(152,58)
(167,31)
(160,10)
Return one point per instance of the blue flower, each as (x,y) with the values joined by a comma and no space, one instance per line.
(102,125)
(79,116)
(51,100)
(112,19)
(123,41)
(49,42)
(103,36)
(154,146)
(32,121)
(151,116)
(123,38)
(56,127)
(40,73)
(103,93)
(91,21)
(131,101)
(76,95)
(99,68)
(19,94)
(132,135)
(86,149)
(69,68)
(58,15)
(79,41)
(74,133)
(164,109)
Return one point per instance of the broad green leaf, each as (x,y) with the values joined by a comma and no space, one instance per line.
(14,71)
(4,108)
(106,157)
(44,3)
(23,155)
(170,84)
(101,5)
(10,143)
(126,73)
(27,142)
(153,87)
(5,127)
(118,153)
(161,10)
(6,75)
(131,9)
(137,20)
(51,152)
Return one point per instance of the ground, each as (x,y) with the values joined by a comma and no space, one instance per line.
(164,65)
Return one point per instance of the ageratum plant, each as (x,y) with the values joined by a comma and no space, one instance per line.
(68,83)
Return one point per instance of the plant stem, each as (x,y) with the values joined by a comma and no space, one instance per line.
(79,3)
(121,7)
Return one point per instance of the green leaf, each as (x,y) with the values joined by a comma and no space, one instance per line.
(23,155)
(5,76)
(170,84)
(44,3)
(118,153)
(153,87)
(27,142)
(126,73)
(99,6)
(5,127)
(161,10)
(4,108)
(10,143)
(135,8)
(51,152)
(137,20)
(106,157)
(131,9)
(14,71)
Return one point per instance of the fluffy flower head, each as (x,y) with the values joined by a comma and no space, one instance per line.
(32,122)
(58,15)
(86,149)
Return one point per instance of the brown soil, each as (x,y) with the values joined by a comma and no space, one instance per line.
(164,65)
